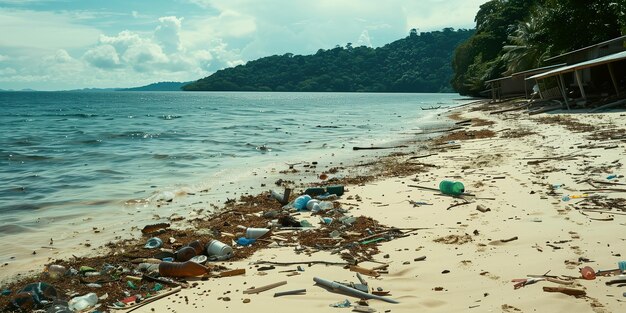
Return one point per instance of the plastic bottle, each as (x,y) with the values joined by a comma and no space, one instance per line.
(59,307)
(178,269)
(451,188)
(218,250)
(326,205)
(243,241)
(311,204)
(588,273)
(56,271)
(301,201)
(83,302)
(153,243)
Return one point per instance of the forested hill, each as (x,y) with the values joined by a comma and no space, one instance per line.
(418,63)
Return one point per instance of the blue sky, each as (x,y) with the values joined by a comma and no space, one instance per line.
(65,44)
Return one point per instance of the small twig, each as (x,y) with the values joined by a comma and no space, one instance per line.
(510,239)
(458,204)
(290,292)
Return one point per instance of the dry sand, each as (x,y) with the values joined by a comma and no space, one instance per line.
(467,267)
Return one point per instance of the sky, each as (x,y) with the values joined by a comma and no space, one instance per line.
(74,44)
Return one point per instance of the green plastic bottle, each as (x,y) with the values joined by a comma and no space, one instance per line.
(453,188)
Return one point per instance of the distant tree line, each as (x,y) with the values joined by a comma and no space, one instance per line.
(517,35)
(420,62)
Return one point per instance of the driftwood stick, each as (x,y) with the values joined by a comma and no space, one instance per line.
(378,148)
(302,262)
(606,183)
(425,188)
(264,288)
(457,204)
(567,291)
(616,281)
(604,190)
(364,271)
(559,281)
(603,211)
(510,239)
(422,156)
(290,292)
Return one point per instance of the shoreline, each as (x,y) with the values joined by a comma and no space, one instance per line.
(82,231)
(469,244)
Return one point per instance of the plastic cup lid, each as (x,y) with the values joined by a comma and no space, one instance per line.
(153,243)
(199,259)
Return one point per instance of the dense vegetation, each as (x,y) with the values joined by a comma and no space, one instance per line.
(417,63)
(517,35)
(161,86)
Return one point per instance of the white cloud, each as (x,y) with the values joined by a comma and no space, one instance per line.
(122,41)
(168,33)
(364,39)
(104,56)
(64,49)
(61,56)
(163,53)
(43,30)
(7,71)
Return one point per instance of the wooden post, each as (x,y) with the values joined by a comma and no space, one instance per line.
(610,65)
(525,87)
(537,82)
(579,80)
(561,83)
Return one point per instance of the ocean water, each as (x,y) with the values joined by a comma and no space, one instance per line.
(71,160)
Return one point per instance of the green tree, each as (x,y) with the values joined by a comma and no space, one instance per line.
(417,63)
(527,48)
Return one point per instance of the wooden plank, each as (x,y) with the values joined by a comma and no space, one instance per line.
(264,288)
(364,271)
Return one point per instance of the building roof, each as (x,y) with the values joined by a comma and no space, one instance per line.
(586,48)
(497,79)
(582,65)
(538,70)
(533,71)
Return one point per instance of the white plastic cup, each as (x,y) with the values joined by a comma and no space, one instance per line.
(56,271)
(217,250)
(311,204)
(255,233)
(83,302)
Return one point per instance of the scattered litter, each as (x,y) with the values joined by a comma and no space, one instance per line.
(350,291)
(363,309)
(341,304)
(588,273)
(482,208)
(83,302)
(153,243)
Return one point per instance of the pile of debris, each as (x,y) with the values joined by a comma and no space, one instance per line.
(139,271)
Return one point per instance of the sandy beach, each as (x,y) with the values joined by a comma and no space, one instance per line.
(545,197)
